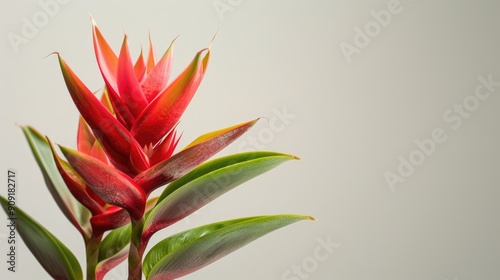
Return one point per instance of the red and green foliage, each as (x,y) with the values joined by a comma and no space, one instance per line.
(126,149)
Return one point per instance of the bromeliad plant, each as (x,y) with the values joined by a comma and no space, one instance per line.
(125,150)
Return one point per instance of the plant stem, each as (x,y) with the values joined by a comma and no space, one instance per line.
(92,251)
(135,251)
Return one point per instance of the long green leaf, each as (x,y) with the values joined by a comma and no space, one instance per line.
(76,213)
(188,251)
(207,182)
(54,257)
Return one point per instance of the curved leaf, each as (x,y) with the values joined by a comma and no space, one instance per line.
(188,251)
(113,250)
(54,257)
(77,186)
(111,185)
(105,266)
(114,242)
(187,159)
(205,183)
(75,212)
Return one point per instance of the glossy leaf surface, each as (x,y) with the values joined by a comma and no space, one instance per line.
(207,182)
(188,251)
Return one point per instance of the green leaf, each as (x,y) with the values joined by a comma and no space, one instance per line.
(188,251)
(114,242)
(207,182)
(113,250)
(76,213)
(54,257)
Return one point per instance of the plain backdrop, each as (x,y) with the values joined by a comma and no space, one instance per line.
(356,89)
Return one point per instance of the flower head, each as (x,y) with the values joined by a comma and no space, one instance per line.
(126,139)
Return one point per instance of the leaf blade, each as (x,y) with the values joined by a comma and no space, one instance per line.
(51,253)
(68,205)
(111,185)
(77,186)
(115,242)
(207,182)
(182,162)
(188,251)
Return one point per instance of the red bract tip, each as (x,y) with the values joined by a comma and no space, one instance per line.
(129,89)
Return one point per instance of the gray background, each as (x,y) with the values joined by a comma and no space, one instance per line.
(350,122)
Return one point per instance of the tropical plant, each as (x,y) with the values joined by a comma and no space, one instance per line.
(126,143)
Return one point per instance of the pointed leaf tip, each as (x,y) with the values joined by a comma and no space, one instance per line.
(188,251)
